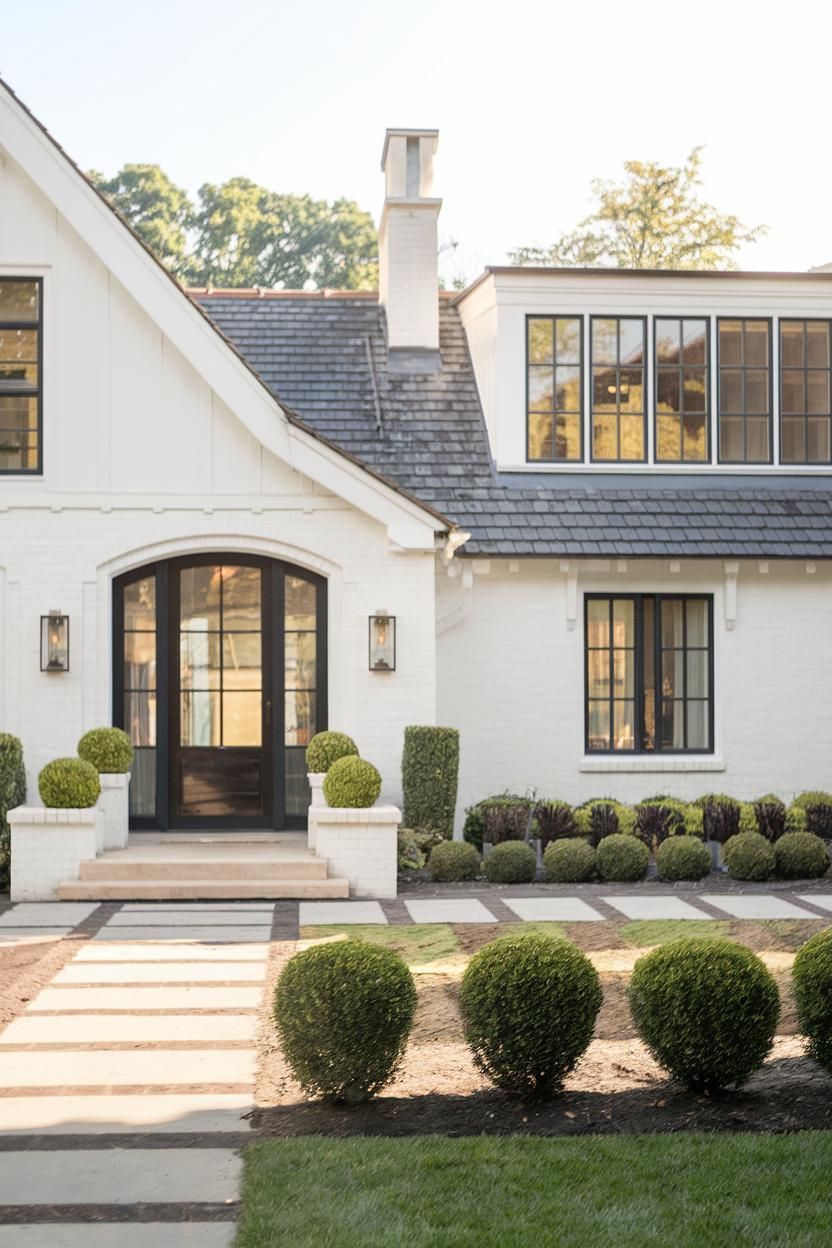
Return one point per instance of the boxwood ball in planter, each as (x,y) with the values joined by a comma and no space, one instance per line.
(622,858)
(108,749)
(352,781)
(511,862)
(454,861)
(326,748)
(706,1009)
(69,783)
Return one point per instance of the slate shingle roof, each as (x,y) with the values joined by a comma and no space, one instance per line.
(326,358)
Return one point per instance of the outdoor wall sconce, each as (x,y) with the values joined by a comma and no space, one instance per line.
(54,642)
(382,642)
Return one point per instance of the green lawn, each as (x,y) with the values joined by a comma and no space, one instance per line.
(660,931)
(689,1191)
(417,943)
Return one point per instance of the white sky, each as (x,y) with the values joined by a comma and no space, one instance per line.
(532,98)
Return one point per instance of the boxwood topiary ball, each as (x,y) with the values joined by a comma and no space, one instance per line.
(749,856)
(570,861)
(529,1005)
(801,856)
(683,858)
(812,986)
(352,781)
(622,857)
(454,861)
(511,862)
(706,1009)
(326,748)
(344,1011)
(108,749)
(69,783)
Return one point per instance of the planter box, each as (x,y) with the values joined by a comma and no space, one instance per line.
(360,844)
(113,809)
(316,799)
(48,846)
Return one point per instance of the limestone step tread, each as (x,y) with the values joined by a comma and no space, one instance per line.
(231,887)
(203,868)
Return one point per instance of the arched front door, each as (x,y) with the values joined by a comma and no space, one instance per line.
(220,681)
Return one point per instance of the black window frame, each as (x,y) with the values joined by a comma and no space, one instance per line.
(618,318)
(29,325)
(681,318)
(638,672)
(753,463)
(554,317)
(805,369)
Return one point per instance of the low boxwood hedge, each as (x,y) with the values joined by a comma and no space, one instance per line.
(108,749)
(623,858)
(344,1012)
(511,862)
(529,1005)
(706,1009)
(683,858)
(570,861)
(812,987)
(454,861)
(69,783)
(801,856)
(352,781)
(749,856)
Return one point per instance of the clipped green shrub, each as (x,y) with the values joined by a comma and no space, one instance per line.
(454,861)
(570,861)
(622,857)
(430,769)
(108,749)
(344,1012)
(529,1005)
(511,862)
(69,782)
(812,988)
(748,856)
(554,821)
(796,820)
(326,748)
(473,829)
(683,858)
(800,856)
(706,1009)
(817,807)
(12,793)
(410,856)
(352,781)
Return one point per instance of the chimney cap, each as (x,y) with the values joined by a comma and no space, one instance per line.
(404,133)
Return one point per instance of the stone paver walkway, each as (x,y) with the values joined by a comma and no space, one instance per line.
(145,1037)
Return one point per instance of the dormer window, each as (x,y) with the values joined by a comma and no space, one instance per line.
(619,353)
(554,389)
(20,375)
(682,388)
(805,374)
(745,391)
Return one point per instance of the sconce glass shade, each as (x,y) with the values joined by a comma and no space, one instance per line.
(382,643)
(54,642)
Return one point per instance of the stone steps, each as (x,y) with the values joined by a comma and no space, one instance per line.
(207,867)
(231,887)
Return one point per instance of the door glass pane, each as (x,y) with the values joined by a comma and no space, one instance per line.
(300,603)
(199,598)
(140,718)
(672,626)
(143,783)
(300,717)
(199,660)
(649,674)
(241,718)
(140,604)
(598,617)
(623,622)
(697,612)
(241,662)
(300,660)
(241,599)
(200,723)
(297,786)
(140,660)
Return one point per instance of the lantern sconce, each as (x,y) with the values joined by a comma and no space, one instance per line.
(54,642)
(382,642)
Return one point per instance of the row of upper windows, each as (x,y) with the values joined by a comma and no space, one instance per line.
(20,375)
(681,390)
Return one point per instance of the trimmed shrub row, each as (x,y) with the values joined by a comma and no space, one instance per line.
(707,1010)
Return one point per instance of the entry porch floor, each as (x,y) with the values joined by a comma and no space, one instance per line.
(198,866)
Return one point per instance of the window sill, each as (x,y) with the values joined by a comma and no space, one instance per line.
(651,763)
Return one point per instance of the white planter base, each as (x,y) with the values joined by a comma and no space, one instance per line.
(361,845)
(316,790)
(48,846)
(113,809)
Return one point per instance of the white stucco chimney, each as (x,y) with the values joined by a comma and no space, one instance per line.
(408,242)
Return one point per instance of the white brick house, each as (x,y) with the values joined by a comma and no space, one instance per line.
(596,503)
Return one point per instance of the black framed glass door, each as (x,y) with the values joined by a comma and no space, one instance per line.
(220,681)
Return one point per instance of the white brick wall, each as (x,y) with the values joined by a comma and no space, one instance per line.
(360,845)
(48,846)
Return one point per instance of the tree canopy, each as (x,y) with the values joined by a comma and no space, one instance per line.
(241,234)
(653,219)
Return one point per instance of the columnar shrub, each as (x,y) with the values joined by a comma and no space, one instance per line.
(344,1012)
(326,748)
(529,1005)
(801,856)
(454,861)
(749,856)
(812,986)
(554,821)
(352,781)
(683,858)
(69,783)
(818,809)
(569,862)
(623,858)
(430,769)
(511,862)
(108,749)
(12,793)
(706,1009)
